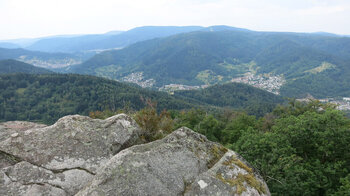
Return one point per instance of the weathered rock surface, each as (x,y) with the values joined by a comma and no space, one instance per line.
(64,156)
(81,156)
(183,163)
(11,128)
(23,174)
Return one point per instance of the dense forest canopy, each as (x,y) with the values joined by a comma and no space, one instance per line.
(46,98)
(235,95)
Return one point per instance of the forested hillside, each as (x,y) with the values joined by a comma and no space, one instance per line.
(238,96)
(210,57)
(46,98)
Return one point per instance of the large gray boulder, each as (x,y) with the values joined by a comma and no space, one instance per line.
(83,156)
(63,157)
(183,163)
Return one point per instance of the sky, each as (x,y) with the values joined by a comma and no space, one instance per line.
(38,18)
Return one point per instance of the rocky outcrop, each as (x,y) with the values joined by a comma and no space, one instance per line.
(61,157)
(82,156)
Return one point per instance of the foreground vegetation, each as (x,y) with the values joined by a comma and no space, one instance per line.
(299,149)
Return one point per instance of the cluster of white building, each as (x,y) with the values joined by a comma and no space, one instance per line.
(176,87)
(138,79)
(342,103)
(268,83)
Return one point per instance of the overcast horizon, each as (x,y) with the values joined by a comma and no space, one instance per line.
(41,18)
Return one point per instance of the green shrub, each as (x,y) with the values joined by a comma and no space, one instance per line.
(155,125)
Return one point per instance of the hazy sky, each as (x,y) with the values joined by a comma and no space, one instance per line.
(35,18)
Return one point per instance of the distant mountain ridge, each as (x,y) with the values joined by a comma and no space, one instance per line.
(107,41)
(210,57)
(63,50)
(297,63)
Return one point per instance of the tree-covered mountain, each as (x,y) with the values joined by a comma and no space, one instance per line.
(46,98)
(107,41)
(209,57)
(13,66)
